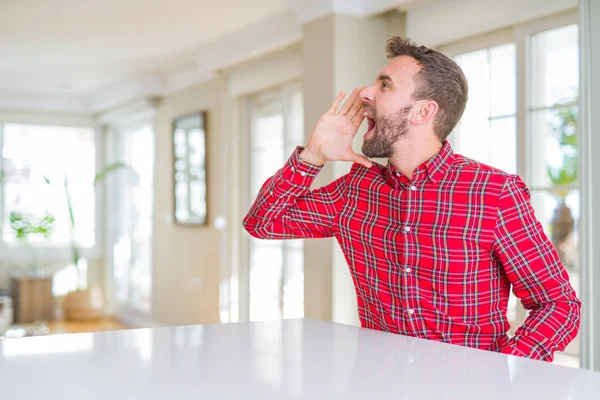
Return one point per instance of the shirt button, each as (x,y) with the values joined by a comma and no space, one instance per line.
(397,173)
(408,270)
(271,193)
(293,169)
(413,188)
(411,311)
(303,173)
(407,228)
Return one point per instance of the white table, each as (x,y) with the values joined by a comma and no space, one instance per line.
(289,359)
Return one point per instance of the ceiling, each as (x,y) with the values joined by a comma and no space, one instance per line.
(88,56)
(79,46)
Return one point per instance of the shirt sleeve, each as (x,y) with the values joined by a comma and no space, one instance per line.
(538,277)
(286,208)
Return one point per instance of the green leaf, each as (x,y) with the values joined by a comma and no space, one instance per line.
(24,224)
(69,205)
(109,169)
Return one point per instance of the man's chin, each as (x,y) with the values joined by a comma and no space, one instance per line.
(372,149)
(373,154)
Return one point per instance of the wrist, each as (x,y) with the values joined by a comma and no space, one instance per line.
(310,156)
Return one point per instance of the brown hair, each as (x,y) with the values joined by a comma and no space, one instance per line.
(440,80)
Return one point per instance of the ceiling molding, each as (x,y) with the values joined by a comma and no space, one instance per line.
(116,95)
(311,10)
(372,7)
(130,113)
(41,118)
(186,77)
(42,102)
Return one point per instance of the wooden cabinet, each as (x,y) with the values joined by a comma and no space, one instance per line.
(32,299)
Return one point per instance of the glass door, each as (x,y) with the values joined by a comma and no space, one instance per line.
(276,268)
(129,222)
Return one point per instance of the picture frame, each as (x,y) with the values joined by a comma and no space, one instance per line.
(190,183)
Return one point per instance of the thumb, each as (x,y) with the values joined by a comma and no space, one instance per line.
(360,159)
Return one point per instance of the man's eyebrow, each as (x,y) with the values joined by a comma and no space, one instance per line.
(384,77)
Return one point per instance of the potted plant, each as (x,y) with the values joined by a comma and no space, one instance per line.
(564,178)
(32,291)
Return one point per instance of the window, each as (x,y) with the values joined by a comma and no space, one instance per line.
(189,146)
(130,216)
(524,120)
(487,131)
(276,268)
(30,153)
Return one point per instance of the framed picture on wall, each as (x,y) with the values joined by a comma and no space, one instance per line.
(189,170)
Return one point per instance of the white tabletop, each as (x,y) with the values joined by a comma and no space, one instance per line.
(292,359)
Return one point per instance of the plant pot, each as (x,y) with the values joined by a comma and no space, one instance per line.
(84,305)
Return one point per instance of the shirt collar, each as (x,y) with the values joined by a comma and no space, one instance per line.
(435,168)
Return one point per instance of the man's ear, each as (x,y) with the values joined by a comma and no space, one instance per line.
(425,111)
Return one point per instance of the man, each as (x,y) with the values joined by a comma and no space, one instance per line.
(433,240)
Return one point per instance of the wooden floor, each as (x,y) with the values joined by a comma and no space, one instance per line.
(107,324)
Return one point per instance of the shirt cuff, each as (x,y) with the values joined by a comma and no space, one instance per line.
(530,346)
(298,173)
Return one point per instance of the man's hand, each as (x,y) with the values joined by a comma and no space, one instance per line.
(332,136)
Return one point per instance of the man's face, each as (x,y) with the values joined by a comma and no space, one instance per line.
(388,104)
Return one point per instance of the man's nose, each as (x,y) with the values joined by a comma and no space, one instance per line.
(366,94)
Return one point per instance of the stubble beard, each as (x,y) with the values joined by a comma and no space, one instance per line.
(388,130)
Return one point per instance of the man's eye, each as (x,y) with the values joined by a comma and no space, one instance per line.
(384,85)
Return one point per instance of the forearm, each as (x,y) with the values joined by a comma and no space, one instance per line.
(539,279)
(285,208)
(547,329)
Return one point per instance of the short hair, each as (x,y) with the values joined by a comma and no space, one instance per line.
(440,79)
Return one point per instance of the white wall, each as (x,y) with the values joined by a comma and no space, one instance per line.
(187,260)
(191,263)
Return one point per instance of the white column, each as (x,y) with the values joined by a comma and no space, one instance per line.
(589,12)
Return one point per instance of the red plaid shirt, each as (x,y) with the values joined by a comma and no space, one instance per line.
(434,257)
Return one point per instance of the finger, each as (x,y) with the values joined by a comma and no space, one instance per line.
(336,102)
(360,159)
(356,107)
(350,102)
(358,119)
